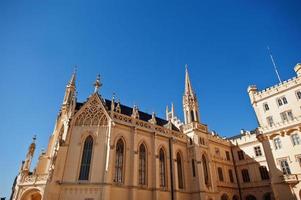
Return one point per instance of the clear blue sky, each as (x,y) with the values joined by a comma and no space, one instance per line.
(140,49)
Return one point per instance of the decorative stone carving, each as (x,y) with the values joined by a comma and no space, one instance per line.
(93,115)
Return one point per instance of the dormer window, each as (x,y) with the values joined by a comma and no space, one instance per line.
(266,107)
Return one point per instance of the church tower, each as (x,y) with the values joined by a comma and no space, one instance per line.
(190,102)
(69,101)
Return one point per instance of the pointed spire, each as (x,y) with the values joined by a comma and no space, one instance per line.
(188,87)
(97,84)
(73,77)
(113,102)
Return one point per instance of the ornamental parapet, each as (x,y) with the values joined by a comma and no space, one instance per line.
(259,95)
(195,125)
(291,178)
(35,179)
(126,120)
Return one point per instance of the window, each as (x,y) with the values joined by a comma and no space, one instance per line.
(264,173)
(180,171)
(228,155)
(299,160)
(298,93)
(193,167)
(220,174)
(245,175)
(277,143)
(287,115)
(217,151)
(270,121)
(142,165)
(285,167)
(205,170)
(202,141)
(231,176)
(240,155)
(266,107)
(192,115)
(295,139)
(162,168)
(86,159)
(281,101)
(257,151)
(119,161)
(284,100)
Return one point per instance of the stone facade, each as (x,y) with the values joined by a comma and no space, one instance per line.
(101,149)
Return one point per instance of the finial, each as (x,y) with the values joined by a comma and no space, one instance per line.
(34,138)
(97,84)
(113,102)
(186,67)
(118,108)
(153,119)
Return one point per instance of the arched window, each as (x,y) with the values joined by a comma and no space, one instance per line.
(180,171)
(162,168)
(142,164)
(235,197)
(193,167)
(86,159)
(250,197)
(119,161)
(192,116)
(224,197)
(267,196)
(205,170)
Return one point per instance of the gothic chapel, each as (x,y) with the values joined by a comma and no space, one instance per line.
(103,150)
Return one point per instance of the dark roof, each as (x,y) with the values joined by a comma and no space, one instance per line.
(126,110)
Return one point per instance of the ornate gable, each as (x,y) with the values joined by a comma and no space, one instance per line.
(92,113)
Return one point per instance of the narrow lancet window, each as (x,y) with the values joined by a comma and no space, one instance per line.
(162,168)
(180,171)
(119,161)
(86,159)
(142,165)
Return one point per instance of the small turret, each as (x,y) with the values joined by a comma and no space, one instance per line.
(29,155)
(252,89)
(297,69)
(135,112)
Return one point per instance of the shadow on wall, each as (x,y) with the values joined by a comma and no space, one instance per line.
(256,181)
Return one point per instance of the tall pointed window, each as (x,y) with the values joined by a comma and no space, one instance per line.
(86,159)
(192,116)
(205,170)
(162,168)
(142,165)
(119,161)
(180,171)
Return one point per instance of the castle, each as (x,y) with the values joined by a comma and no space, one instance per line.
(102,149)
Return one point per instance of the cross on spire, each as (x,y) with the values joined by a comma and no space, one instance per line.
(97,84)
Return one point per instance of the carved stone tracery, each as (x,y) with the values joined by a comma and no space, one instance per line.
(92,115)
